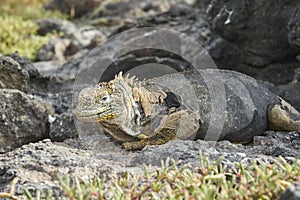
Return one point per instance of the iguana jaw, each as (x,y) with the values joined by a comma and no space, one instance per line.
(94,114)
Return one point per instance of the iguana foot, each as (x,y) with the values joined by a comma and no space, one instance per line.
(160,138)
(131,146)
(284,117)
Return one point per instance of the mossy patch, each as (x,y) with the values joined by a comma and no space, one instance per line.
(18,31)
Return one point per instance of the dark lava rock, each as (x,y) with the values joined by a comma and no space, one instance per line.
(23,119)
(278,73)
(12,75)
(291,90)
(19,73)
(62,127)
(258,28)
(36,83)
(76,8)
(55,24)
(26,64)
(294,29)
(291,193)
(286,144)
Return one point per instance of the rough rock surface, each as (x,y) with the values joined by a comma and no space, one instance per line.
(12,74)
(254,28)
(294,29)
(291,90)
(62,127)
(23,119)
(57,25)
(37,82)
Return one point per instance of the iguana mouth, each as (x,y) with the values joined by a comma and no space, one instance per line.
(92,116)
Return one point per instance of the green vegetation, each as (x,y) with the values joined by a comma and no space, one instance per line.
(27,9)
(20,35)
(18,31)
(256,180)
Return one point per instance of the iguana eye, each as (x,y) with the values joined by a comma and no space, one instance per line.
(105,99)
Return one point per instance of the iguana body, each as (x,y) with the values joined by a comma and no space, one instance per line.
(139,113)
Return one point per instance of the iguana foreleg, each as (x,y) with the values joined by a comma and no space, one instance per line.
(182,124)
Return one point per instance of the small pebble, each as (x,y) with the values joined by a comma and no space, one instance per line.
(46,140)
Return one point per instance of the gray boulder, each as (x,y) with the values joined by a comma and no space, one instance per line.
(12,75)
(23,119)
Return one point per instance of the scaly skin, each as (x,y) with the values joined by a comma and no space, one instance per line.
(139,113)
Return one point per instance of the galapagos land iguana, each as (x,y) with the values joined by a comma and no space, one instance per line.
(155,111)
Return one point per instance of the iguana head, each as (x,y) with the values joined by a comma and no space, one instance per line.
(96,104)
(112,104)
